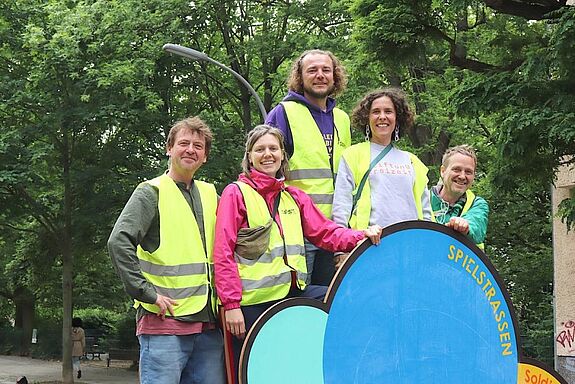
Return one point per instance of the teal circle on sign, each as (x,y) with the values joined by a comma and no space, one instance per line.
(289,347)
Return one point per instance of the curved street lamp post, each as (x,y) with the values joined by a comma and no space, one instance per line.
(192,54)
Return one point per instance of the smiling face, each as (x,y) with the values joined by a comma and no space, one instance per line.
(382,120)
(457,175)
(266,155)
(317,76)
(186,155)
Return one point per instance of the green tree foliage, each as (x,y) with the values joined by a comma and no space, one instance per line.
(534,107)
(497,75)
(87,97)
(88,108)
(520,247)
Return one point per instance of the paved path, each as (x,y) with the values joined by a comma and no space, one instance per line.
(93,371)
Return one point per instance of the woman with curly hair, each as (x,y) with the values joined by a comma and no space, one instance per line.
(378,183)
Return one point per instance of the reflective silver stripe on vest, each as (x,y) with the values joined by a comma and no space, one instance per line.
(321,198)
(269,257)
(173,270)
(266,282)
(321,173)
(182,293)
(301,276)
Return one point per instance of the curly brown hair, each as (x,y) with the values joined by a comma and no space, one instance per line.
(404,115)
(295,81)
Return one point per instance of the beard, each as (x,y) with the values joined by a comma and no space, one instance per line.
(319,94)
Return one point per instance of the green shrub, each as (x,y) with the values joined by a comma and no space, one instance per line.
(538,342)
(9,339)
(124,335)
(49,336)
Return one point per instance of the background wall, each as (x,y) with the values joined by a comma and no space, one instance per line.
(564,287)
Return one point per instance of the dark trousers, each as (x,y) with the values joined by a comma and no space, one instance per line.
(323,268)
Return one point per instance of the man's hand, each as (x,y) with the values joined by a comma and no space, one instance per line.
(235,322)
(340,259)
(165,303)
(374,233)
(459,224)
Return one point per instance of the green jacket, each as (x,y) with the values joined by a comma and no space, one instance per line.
(476,213)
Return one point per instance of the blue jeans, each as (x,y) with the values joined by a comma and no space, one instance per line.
(310,252)
(189,359)
(76,363)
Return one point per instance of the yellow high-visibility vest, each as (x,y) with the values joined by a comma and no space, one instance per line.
(310,167)
(268,277)
(358,159)
(181,268)
(469,198)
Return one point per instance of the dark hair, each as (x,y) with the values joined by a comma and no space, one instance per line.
(194,125)
(295,81)
(254,135)
(404,115)
(77,322)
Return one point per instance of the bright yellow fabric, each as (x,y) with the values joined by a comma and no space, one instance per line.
(310,168)
(358,159)
(268,277)
(181,268)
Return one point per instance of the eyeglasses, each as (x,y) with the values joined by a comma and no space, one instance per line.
(441,212)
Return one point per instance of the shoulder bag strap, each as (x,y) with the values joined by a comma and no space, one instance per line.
(366,174)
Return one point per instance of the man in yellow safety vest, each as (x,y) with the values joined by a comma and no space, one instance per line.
(316,132)
(161,247)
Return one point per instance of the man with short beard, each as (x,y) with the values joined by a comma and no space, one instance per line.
(452,201)
(316,133)
(162,248)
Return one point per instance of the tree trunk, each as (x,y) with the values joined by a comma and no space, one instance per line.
(25,303)
(67,265)
(246,109)
(67,373)
(267,61)
(422,133)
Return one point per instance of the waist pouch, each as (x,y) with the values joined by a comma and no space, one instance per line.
(253,242)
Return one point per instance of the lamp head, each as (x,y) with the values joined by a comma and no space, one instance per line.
(186,52)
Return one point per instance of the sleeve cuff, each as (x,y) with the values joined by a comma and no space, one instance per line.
(229,306)
(148,296)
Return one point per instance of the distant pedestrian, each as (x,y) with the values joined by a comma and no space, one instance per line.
(78,344)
